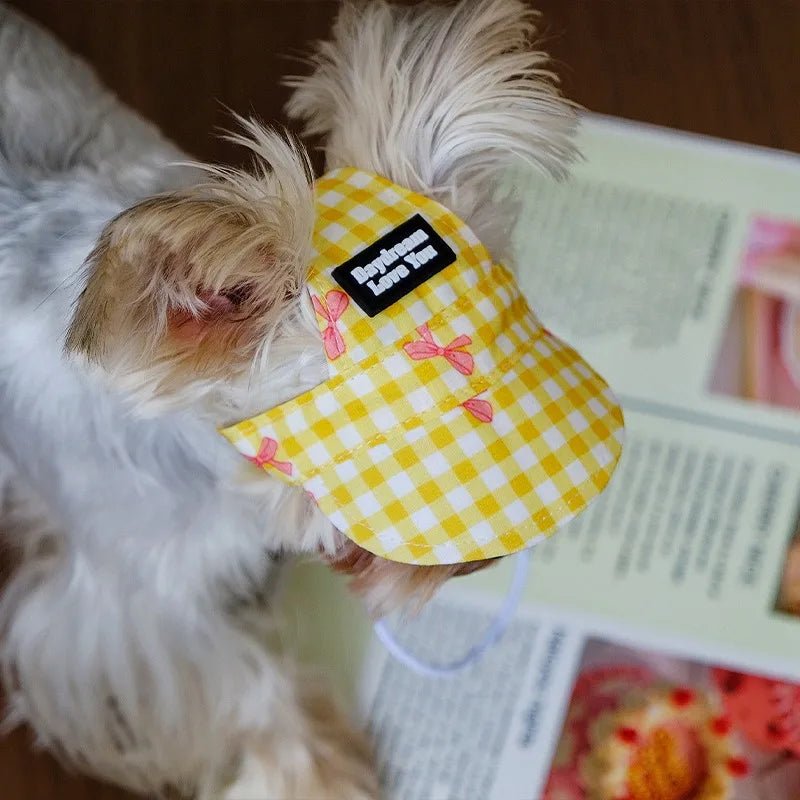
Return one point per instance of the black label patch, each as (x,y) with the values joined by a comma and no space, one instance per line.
(394,265)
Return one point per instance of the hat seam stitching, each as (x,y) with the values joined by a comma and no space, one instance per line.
(437,321)
(360,367)
(441,406)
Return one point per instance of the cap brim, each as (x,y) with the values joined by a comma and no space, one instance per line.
(489,477)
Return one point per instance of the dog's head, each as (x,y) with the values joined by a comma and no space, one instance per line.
(197,298)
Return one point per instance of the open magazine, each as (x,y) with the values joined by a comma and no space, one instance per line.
(657,649)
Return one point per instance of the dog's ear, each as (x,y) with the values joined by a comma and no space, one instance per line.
(189,285)
(441,99)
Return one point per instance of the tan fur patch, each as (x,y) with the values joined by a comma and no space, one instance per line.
(384,585)
(191,284)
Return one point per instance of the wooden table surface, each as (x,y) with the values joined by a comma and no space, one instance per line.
(727,68)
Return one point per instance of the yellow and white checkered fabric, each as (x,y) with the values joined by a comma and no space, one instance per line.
(453,426)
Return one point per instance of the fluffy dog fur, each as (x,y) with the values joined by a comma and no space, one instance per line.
(142,538)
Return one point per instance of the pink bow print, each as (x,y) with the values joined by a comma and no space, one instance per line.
(428,348)
(331,309)
(480,409)
(266,455)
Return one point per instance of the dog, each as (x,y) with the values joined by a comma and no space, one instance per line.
(146,302)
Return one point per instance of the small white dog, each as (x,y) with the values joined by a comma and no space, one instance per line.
(127,636)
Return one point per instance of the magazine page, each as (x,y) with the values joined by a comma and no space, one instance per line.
(673,263)
(693,537)
(564,707)
(665,258)
(658,642)
(564,710)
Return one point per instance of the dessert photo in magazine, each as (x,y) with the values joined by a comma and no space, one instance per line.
(642,725)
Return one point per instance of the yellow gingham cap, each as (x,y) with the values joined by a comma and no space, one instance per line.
(453,426)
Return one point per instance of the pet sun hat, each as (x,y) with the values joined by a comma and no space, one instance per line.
(453,426)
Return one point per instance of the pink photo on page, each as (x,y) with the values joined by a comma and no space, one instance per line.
(771,270)
(760,356)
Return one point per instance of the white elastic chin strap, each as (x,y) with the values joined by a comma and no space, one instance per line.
(492,635)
